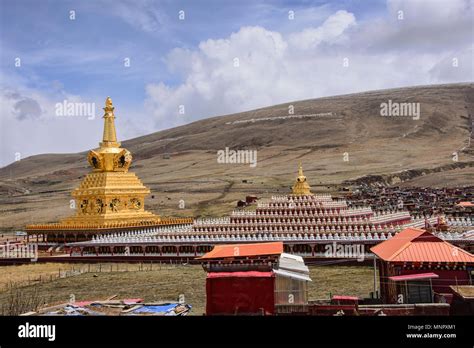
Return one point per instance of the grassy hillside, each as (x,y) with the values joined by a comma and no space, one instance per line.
(355,141)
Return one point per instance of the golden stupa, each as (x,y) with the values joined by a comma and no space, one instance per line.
(110,194)
(110,198)
(301,186)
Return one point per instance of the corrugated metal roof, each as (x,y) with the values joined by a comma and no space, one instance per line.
(243,250)
(292,263)
(294,275)
(417,245)
(291,256)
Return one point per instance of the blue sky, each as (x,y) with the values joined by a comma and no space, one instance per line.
(86,54)
(190,62)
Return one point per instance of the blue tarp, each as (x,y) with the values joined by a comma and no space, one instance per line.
(163,309)
(156,309)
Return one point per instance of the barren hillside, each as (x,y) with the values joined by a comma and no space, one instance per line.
(355,141)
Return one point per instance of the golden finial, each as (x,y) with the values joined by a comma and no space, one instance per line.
(300,169)
(109,138)
(108,104)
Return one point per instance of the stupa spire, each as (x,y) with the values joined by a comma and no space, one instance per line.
(301,186)
(109,138)
(300,170)
(109,157)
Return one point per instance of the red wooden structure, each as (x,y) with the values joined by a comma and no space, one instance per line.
(253,279)
(235,293)
(415,265)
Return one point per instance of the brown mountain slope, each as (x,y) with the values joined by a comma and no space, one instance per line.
(374,145)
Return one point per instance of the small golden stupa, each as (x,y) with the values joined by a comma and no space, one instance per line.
(301,186)
(110,198)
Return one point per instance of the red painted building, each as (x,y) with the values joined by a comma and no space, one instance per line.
(416,266)
(253,279)
(235,293)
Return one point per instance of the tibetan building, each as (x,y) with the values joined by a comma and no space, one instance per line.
(416,266)
(110,199)
(305,222)
(253,279)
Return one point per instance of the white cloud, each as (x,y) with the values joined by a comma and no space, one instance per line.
(30,125)
(275,68)
(422,12)
(330,31)
(235,73)
(422,25)
(458,65)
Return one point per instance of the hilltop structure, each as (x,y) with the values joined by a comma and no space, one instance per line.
(110,198)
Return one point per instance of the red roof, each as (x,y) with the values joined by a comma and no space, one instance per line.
(132,300)
(465,204)
(82,303)
(345,297)
(242,250)
(249,274)
(413,277)
(417,245)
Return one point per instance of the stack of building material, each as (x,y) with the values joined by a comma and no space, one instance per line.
(115,308)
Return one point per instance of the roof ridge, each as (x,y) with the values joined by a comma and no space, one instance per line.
(458,248)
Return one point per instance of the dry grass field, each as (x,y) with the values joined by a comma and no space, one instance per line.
(29,272)
(166,283)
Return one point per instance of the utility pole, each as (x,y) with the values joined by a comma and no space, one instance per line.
(375,276)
